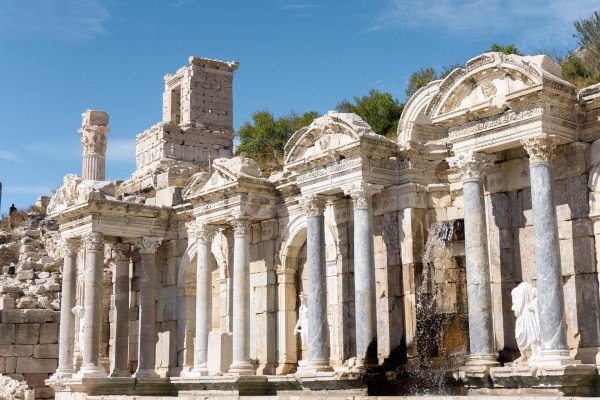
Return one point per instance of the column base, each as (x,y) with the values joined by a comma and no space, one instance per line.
(311,367)
(487,360)
(90,371)
(554,358)
(195,372)
(146,373)
(64,372)
(242,368)
(117,373)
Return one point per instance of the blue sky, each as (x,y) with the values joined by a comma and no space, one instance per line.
(61,57)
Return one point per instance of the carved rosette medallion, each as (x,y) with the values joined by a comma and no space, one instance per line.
(203,232)
(471,166)
(314,205)
(541,149)
(121,251)
(361,193)
(148,245)
(70,247)
(94,241)
(240,226)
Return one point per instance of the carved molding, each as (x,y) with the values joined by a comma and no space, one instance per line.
(70,247)
(361,193)
(148,245)
(314,205)
(121,251)
(94,241)
(471,165)
(541,149)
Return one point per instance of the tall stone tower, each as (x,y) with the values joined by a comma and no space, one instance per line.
(94,128)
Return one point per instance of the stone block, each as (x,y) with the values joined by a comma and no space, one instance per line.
(41,316)
(219,355)
(27,365)
(44,392)
(582,306)
(169,197)
(10,364)
(45,351)
(3,365)
(575,228)
(577,255)
(27,333)
(35,380)
(16,350)
(7,334)
(7,303)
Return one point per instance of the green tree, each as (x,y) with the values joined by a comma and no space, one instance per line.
(507,49)
(380,110)
(588,33)
(574,69)
(265,137)
(420,78)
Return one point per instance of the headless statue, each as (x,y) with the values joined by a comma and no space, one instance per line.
(527,329)
(301,327)
(79,311)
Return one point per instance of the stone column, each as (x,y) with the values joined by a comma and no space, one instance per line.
(471,167)
(66,339)
(318,355)
(92,302)
(121,253)
(147,321)
(241,364)
(553,327)
(364,273)
(203,300)
(94,130)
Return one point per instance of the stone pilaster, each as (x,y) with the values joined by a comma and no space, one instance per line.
(66,341)
(364,273)
(121,254)
(147,321)
(94,130)
(471,167)
(553,327)
(318,355)
(241,364)
(204,236)
(92,301)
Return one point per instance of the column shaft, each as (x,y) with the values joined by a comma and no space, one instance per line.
(203,303)
(67,302)
(241,300)
(121,343)
(92,318)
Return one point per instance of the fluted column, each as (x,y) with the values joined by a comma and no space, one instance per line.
(318,354)
(147,321)
(92,301)
(471,167)
(94,130)
(553,327)
(203,300)
(66,341)
(364,273)
(121,254)
(241,298)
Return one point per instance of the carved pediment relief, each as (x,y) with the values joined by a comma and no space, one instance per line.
(325,134)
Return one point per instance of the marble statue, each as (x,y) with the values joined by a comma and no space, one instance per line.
(527,329)
(302,324)
(79,311)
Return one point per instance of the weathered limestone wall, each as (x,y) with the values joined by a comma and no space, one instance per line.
(29,347)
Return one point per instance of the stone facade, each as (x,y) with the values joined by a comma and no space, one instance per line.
(193,268)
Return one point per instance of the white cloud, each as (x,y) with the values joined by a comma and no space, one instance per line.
(42,190)
(71,20)
(533,23)
(9,156)
(120,151)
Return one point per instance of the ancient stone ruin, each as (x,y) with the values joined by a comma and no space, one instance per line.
(364,267)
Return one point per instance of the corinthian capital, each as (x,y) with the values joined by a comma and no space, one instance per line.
(541,149)
(314,205)
(202,232)
(241,226)
(471,166)
(361,193)
(93,241)
(70,247)
(148,245)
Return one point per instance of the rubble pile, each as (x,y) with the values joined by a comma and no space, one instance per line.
(12,389)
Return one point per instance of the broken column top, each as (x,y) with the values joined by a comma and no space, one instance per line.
(94,117)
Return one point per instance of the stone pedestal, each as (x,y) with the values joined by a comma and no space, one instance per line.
(147,320)
(203,302)
(92,301)
(364,273)
(241,364)
(66,341)
(120,365)
(553,328)
(94,130)
(318,355)
(471,167)
(219,355)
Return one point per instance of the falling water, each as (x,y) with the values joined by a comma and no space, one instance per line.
(429,371)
